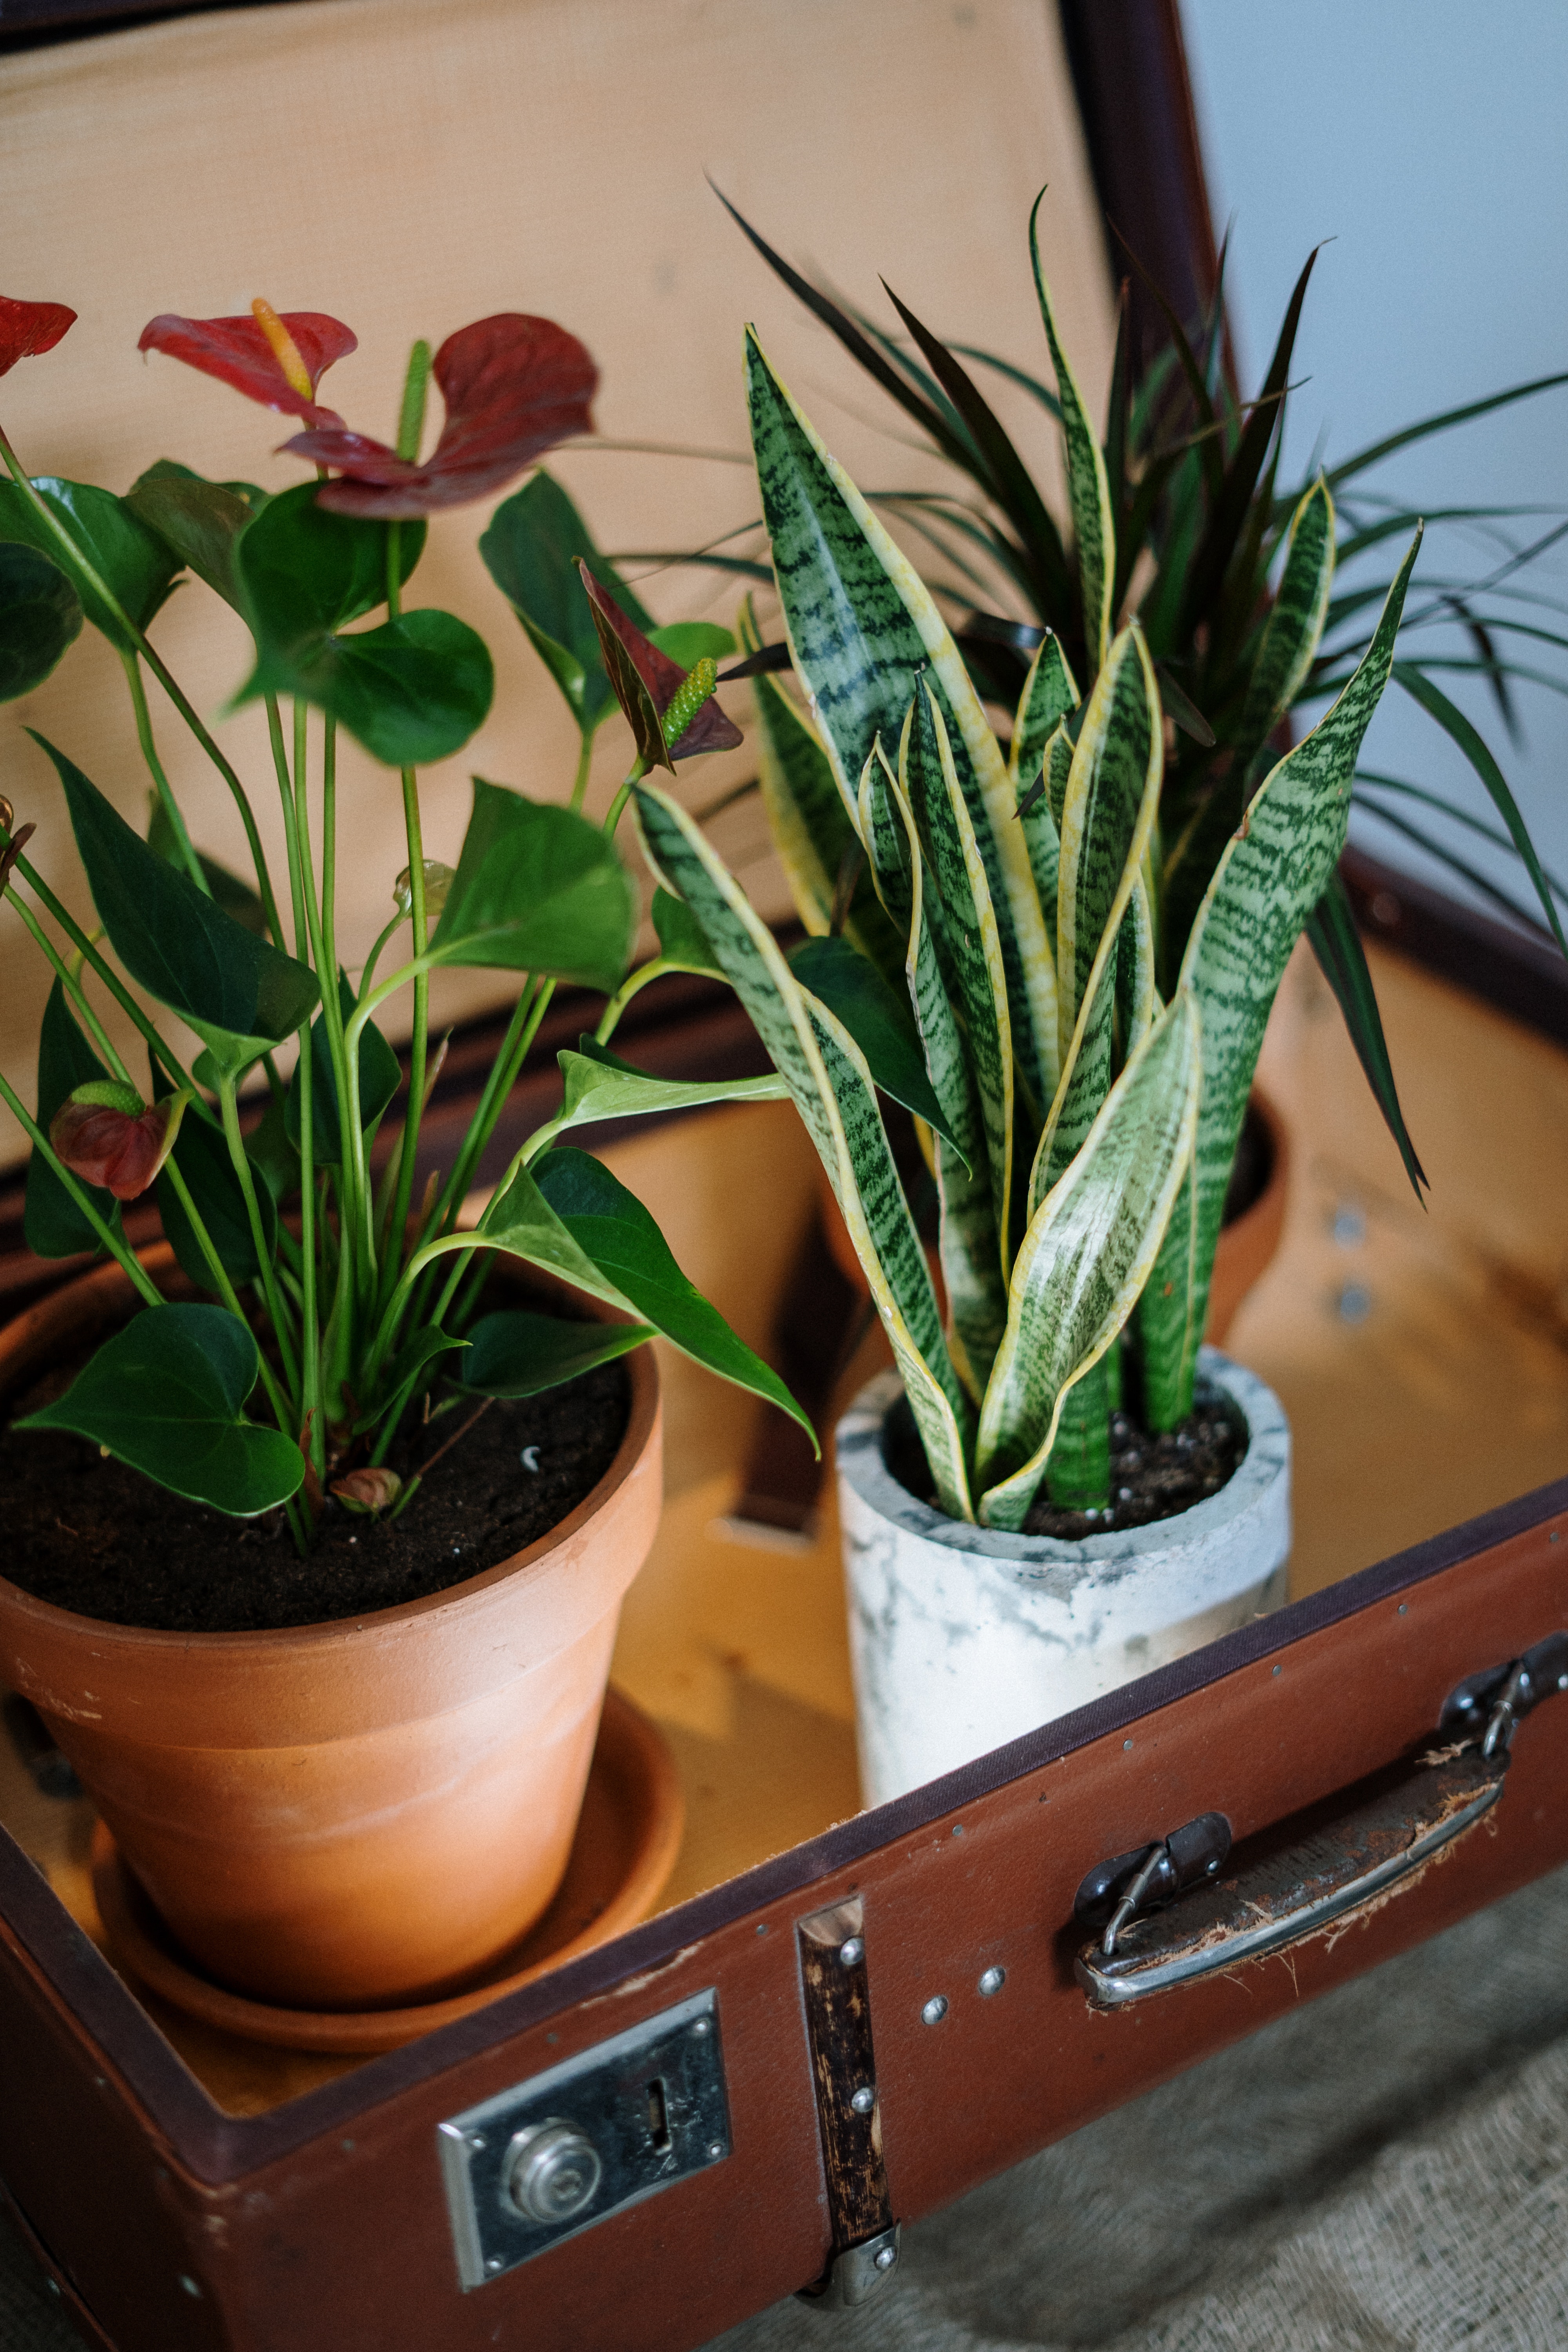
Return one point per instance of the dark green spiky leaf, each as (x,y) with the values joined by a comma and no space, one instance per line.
(1295,623)
(538,888)
(53,1224)
(1089,489)
(239,994)
(164,1394)
(531,549)
(379,1079)
(514,1353)
(201,1153)
(40,618)
(1336,942)
(235,897)
(878,1019)
(136,568)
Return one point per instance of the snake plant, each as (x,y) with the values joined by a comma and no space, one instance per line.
(989,936)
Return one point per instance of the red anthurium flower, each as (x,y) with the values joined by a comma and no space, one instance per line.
(646,682)
(514,386)
(368,1490)
(29,329)
(277,359)
(107,1135)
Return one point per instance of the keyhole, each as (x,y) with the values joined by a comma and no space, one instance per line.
(658,2117)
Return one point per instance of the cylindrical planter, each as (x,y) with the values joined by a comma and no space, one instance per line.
(359,1814)
(963,1638)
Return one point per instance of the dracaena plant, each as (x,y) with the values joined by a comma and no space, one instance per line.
(986,952)
(331,1294)
(1178,511)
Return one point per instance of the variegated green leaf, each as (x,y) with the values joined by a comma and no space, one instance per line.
(1049,694)
(833,1091)
(1058,770)
(1078,1468)
(967,937)
(976,1287)
(1270,878)
(1089,491)
(1086,1257)
(1136,1000)
(1295,621)
(861,626)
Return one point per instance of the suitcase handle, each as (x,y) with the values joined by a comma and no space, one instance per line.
(1374,1848)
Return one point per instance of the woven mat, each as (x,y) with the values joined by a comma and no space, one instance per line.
(1385,2171)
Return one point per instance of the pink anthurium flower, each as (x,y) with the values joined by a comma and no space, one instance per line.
(647,684)
(105,1133)
(514,386)
(27,330)
(276,358)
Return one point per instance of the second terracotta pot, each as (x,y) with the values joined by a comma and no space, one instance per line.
(360,1812)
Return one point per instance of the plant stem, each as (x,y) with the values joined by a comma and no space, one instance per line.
(73,987)
(89,952)
(310,1329)
(638,770)
(291,833)
(268,1278)
(119,1248)
(193,864)
(584,761)
(609,1019)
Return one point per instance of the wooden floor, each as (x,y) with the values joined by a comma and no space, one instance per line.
(1422,1355)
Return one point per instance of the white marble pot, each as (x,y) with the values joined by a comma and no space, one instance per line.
(963,1638)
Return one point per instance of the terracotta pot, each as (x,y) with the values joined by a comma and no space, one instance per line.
(353,1814)
(1246,1245)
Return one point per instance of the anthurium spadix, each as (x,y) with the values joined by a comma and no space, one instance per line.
(1079,1125)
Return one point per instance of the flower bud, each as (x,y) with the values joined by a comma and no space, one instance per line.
(368,1490)
(438,881)
(695,688)
(105,1133)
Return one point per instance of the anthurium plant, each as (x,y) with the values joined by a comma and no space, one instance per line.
(987,951)
(335,1304)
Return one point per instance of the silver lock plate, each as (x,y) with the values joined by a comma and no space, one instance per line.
(596,2134)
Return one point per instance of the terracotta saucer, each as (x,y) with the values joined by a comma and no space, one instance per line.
(625,1850)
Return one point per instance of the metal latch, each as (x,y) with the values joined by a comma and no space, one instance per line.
(1123,1889)
(564,2150)
(836,1986)
(1496,1702)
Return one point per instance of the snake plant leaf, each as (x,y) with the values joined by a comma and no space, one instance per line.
(1039,817)
(1136,1000)
(1272,875)
(599,1085)
(970,1271)
(879,1021)
(515,1353)
(1086,1257)
(235,897)
(968,937)
(197,521)
(40,618)
(136,568)
(681,944)
(52,1224)
(1050,692)
(833,1090)
(538,888)
(613,1228)
(861,626)
(1336,942)
(1089,489)
(379,1078)
(531,549)
(239,994)
(1295,623)
(164,1394)
(201,1153)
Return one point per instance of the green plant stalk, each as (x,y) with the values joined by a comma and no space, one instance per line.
(89,953)
(312,1432)
(609,1020)
(159,668)
(193,864)
(73,987)
(580,781)
(230,1111)
(369,1005)
(115,1244)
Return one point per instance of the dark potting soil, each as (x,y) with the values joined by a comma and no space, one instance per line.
(90,1535)
(1152,1477)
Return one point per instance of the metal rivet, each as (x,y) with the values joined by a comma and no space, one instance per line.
(495,2264)
(1553,1537)
(935,2009)
(1562,1682)
(53,2286)
(1404,1608)
(764,1929)
(864,2100)
(1349,1226)
(701,2026)
(852,1952)
(992,1981)
(1213,1865)
(348,2147)
(1127,1743)
(476,2139)
(715,2151)
(1356,1303)
(1279,1670)
(884,2259)
(958,1829)
(188,2282)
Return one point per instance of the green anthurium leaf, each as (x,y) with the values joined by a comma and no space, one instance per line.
(689,642)
(271,1154)
(879,1021)
(538,888)
(514,1353)
(53,1224)
(611,1227)
(202,1156)
(164,1394)
(238,992)
(532,548)
(379,1078)
(423,1348)
(198,522)
(679,935)
(235,897)
(304,573)
(413,690)
(40,618)
(601,1086)
(134,565)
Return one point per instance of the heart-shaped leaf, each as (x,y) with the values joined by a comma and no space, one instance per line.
(239,994)
(304,573)
(379,1076)
(413,690)
(40,618)
(688,642)
(235,897)
(532,548)
(201,1154)
(135,566)
(198,522)
(518,1354)
(53,1224)
(538,888)
(164,1395)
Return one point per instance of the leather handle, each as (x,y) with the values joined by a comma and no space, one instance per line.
(1302,1889)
